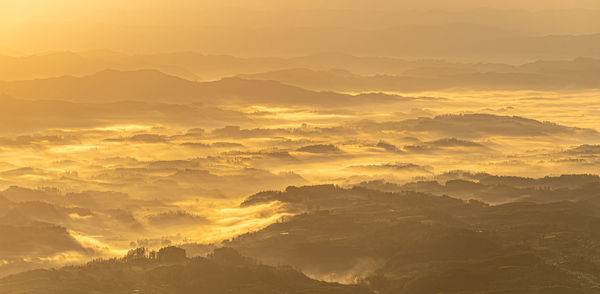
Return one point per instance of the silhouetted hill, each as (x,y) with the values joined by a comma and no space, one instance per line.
(585,149)
(36,239)
(447,128)
(419,243)
(322,148)
(17,115)
(105,86)
(580,73)
(67,63)
(190,65)
(503,189)
(323,71)
(478,125)
(168,271)
(154,86)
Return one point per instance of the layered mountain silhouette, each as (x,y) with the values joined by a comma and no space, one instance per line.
(476,125)
(580,73)
(324,71)
(154,86)
(19,115)
(498,189)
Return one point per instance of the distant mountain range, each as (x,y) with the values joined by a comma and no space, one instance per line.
(154,86)
(326,71)
(578,74)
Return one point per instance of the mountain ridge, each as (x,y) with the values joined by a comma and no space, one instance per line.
(155,86)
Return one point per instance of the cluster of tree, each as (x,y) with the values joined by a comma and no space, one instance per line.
(140,271)
(414,242)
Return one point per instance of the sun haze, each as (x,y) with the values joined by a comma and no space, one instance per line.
(412,147)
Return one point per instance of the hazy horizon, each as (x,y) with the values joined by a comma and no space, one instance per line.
(238,27)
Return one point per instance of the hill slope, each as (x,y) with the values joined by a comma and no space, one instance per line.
(155,86)
(169,271)
(412,242)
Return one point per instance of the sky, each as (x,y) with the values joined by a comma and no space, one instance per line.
(16,13)
(33,26)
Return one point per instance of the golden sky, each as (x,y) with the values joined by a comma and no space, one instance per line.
(32,26)
(20,11)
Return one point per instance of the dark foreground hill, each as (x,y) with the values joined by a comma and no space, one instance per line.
(168,271)
(413,242)
(389,242)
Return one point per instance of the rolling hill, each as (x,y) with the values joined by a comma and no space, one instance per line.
(154,86)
